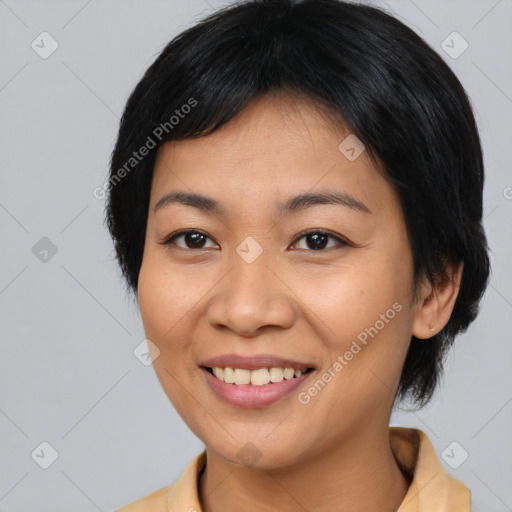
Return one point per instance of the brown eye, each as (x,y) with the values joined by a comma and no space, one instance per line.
(319,239)
(192,239)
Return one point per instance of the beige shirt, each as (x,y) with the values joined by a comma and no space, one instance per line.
(431,488)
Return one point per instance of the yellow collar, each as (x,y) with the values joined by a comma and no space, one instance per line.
(432,489)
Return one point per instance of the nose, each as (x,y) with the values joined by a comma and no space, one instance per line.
(252,297)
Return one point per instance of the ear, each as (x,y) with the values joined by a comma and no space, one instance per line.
(435,303)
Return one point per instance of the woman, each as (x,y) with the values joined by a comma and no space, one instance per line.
(296,201)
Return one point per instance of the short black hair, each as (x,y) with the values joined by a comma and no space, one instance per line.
(390,88)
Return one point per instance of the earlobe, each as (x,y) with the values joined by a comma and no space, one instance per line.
(435,304)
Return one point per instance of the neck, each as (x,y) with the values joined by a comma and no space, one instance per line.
(360,474)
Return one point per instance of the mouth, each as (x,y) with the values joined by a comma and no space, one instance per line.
(254,382)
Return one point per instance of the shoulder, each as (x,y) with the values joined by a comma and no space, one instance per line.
(154,502)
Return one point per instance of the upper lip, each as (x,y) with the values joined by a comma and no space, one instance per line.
(254,362)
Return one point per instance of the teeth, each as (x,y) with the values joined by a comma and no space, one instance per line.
(276,374)
(218,372)
(259,377)
(288,373)
(229,375)
(242,376)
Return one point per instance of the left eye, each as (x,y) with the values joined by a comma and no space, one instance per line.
(318,239)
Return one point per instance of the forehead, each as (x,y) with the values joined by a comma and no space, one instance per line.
(275,147)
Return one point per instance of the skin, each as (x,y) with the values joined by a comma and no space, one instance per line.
(292,301)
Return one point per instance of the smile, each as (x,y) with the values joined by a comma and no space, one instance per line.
(254,388)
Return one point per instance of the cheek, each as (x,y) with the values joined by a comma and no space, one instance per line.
(367,320)
(166,297)
(350,300)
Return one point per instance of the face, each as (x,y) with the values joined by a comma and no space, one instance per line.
(253,285)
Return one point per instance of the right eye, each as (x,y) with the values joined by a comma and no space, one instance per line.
(192,239)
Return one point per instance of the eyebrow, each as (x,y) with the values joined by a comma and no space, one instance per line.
(292,204)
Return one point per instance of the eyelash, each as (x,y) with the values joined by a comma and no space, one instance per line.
(342,242)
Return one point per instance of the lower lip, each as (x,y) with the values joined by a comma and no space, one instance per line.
(248,395)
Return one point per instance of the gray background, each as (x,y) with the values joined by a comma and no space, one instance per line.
(68,375)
